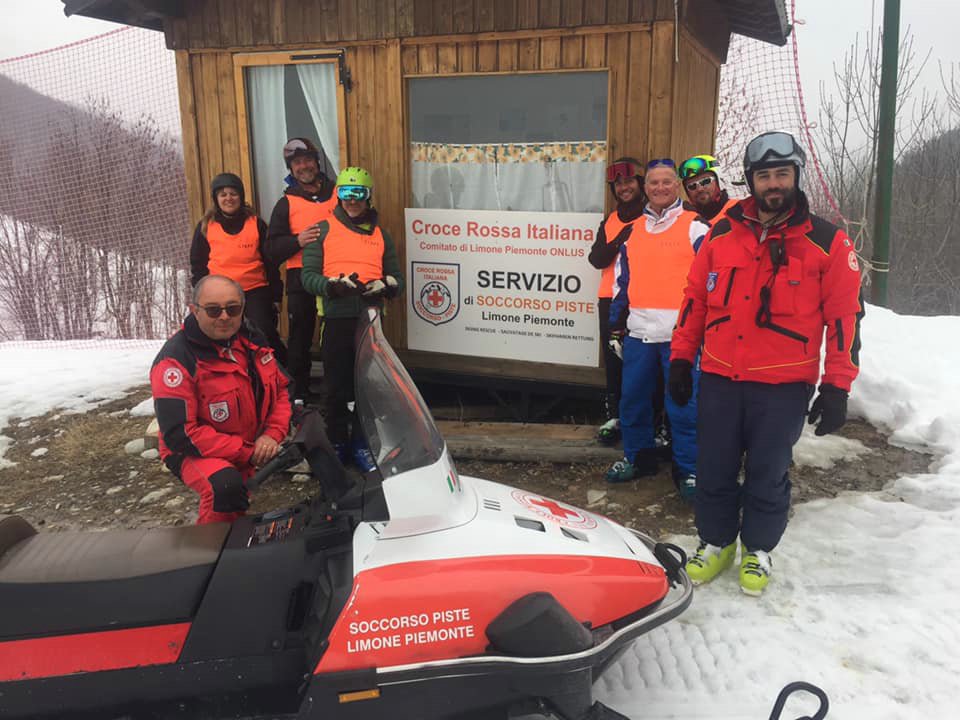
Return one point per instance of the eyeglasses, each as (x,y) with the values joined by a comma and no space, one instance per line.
(694,185)
(696,165)
(214,311)
(661,162)
(621,169)
(353,192)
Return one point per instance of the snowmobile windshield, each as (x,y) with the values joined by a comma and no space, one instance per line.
(395,419)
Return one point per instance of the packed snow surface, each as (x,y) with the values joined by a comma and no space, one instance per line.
(865,594)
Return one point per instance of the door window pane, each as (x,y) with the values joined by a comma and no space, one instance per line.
(285,101)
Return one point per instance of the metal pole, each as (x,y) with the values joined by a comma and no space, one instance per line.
(885,140)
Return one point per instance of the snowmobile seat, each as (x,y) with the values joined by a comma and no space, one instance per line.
(76,581)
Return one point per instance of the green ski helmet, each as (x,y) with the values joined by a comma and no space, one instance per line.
(354,183)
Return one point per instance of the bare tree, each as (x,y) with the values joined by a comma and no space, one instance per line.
(924,273)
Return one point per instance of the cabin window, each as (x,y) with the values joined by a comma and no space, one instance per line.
(288,96)
(527,142)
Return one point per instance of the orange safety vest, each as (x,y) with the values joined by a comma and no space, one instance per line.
(347,251)
(237,256)
(303,214)
(659,264)
(612,227)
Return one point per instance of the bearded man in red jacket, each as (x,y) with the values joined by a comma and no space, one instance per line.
(221,400)
(769,279)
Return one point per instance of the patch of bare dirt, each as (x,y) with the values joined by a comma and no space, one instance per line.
(85,478)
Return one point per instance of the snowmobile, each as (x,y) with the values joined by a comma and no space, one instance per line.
(410,592)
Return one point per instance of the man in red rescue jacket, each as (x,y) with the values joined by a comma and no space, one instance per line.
(221,400)
(293,226)
(768,279)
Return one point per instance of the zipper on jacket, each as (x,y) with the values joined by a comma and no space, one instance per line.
(726,295)
(714,323)
(686,312)
(779,329)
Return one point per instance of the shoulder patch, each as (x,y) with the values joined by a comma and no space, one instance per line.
(822,233)
(172,377)
(722,227)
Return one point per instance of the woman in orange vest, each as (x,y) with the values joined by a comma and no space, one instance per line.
(229,241)
(353,264)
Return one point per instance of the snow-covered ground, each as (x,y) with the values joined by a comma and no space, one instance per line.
(42,376)
(865,595)
(864,600)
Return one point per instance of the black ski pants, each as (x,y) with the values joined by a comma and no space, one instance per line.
(612,364)
(339,355)
(756,425)
(258,307)
(302,314)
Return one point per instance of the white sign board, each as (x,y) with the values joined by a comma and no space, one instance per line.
(512,285)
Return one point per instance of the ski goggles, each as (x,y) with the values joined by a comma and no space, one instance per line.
(353,192)
(703,182)
(696,165)
(296,147)
(774,146)
(621,169)
(661,162)
(214,311)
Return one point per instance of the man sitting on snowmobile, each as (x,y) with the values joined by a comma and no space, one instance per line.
(221,400)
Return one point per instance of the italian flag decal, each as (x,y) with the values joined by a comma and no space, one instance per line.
(453,482)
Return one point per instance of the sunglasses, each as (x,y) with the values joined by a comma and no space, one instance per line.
(661,162)
(701,183)
(214,311)
(696,165)
(621,169)
(353,192)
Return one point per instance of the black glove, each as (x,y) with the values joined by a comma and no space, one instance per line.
(616,342)
(393,287)
(374,288)
(342,286)
(830,408)
(680,382)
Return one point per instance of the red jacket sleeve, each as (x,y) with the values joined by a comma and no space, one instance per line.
(842,310)
(175,400)
(688,334)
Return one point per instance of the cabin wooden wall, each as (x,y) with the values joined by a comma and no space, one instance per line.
(662,102)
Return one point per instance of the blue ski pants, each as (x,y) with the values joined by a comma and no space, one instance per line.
(641,363)
(754,425)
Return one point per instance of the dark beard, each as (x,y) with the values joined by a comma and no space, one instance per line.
(789,200)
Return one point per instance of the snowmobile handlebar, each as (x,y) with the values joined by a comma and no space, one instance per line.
(793,687)
(309,443)
(288,456)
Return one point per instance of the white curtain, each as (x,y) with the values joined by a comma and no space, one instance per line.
(537,177)
(319,83)
(268,122)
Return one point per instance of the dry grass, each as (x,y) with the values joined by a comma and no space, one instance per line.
(90,438)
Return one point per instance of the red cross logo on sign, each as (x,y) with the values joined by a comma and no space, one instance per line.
(436,298)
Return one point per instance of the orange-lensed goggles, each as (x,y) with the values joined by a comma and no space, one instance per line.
(622,169)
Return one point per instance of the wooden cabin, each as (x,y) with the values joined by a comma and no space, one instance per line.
(486,125)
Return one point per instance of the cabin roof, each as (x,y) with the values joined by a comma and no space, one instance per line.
(764,20)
